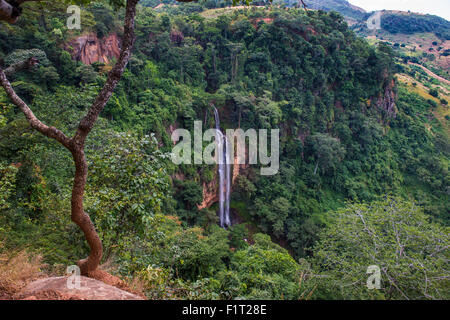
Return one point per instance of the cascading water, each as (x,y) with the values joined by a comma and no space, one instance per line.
(224,173)
(228,182)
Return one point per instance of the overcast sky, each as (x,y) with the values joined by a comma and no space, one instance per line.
(437,7)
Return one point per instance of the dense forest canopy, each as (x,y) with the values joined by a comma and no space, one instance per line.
(350,134)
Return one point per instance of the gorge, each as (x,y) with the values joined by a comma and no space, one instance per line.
(361,154)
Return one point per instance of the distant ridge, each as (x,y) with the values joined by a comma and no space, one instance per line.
(409,23)
(342,6)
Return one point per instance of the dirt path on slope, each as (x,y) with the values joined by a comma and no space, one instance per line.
(431,73)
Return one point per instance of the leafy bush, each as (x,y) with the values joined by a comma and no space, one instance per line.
(434,93)
(394,235)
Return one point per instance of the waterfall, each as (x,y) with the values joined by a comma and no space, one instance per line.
(227,181)
(224,162)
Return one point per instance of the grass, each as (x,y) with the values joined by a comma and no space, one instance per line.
(17,269)
(441,111)
(415,46)
(214,13)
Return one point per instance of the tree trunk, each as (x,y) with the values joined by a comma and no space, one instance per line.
(80,217)
(8,12)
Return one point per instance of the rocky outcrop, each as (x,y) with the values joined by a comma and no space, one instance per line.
(176,37)
(211,189)
(89,48)
(56,288)
(210,192)
(387,100)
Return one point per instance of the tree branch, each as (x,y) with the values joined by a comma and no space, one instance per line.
(304,5)
(114,75)
(25,64)
(79,216)
(35,123)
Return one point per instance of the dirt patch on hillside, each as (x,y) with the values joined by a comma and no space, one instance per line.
(431,74)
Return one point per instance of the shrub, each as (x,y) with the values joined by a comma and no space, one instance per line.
(394,235)
(434,93)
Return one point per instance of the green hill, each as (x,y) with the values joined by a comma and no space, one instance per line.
(409,23)
(342,6)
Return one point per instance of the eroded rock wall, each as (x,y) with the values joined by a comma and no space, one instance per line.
(89,48)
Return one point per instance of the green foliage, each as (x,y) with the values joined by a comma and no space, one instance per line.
(341,6)
(87,74)
(36,220)
(7,184)
(21,55)
(394,235)
(103,16)
(412,23)
(128,184)
(434,93)
(267,270)
(327,150)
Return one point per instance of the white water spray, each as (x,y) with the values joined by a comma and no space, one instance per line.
(224,173)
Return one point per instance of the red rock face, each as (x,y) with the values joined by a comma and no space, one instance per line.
(210,193)
(211,189)
(89,48)
(176,36)
(387,101)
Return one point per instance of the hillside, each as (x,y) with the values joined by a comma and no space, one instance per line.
(425,48)
(342,6)
(363,153)
(408,23)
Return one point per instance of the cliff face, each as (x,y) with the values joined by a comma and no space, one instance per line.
(211,189)
(89,48)
(386,102)
(210,192)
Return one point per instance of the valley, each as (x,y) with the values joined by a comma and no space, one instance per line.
(363,119)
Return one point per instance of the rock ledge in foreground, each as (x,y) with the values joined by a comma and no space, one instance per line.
(55,288)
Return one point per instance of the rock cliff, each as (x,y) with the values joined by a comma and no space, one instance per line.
(89,48)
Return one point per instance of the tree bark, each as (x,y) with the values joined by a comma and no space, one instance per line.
(80,217)
(76,144)
(304,5)
(25,64)
(8,12)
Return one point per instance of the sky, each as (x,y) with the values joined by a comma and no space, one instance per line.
(438,7)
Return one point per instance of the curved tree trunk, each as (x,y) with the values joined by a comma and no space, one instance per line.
(81,218)
(78,215)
